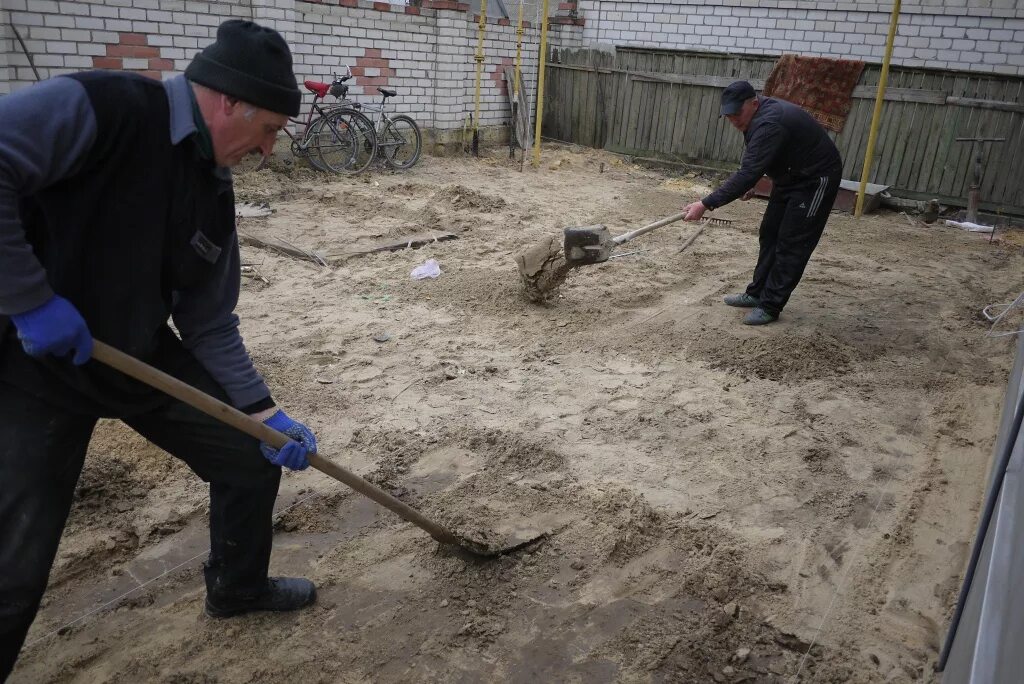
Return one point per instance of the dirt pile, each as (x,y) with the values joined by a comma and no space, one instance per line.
(711,490)
(542,268)
(783,356)
(461,197)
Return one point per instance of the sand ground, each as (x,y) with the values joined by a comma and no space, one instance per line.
(728,504)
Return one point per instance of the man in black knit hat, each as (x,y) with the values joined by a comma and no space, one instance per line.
(117,216)
(785,143)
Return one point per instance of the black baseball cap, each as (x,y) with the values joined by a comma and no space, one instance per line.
(734,95)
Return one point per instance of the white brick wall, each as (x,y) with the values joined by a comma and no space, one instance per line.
(430,54)
(6,40)
(974,35)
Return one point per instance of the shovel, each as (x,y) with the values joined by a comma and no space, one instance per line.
(229,415)
(545,266)
(594,244)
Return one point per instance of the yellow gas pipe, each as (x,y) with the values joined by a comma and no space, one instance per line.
(479,58)
(515,87)
(519,52)
(540,81)
(877,115)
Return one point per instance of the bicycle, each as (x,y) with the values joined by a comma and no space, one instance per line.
(398,137)
(340,135)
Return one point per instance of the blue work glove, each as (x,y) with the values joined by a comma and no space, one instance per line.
(55,328)
(294,454)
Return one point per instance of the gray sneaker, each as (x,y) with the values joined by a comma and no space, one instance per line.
(759,316)
(744,300)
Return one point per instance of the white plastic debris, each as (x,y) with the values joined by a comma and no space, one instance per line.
(428,269)
(251,210)
(972,227)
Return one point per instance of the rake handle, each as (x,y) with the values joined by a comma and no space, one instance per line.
(696,234)
(229,415)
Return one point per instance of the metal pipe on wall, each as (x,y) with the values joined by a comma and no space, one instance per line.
(540,81)
(479,59)
(876,117)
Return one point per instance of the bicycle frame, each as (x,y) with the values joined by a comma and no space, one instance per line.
(314,108)
(378,122)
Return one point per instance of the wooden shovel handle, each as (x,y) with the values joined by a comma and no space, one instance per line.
(626,237)
(229,415)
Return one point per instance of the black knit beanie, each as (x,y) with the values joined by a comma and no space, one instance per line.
(250,62)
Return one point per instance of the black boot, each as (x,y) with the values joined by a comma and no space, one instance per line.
(280,594)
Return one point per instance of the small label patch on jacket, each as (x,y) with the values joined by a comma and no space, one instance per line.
(205,248)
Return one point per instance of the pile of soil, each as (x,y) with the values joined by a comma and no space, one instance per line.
(722,503)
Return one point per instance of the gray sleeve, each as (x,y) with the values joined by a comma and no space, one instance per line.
(46,130)
(205,319)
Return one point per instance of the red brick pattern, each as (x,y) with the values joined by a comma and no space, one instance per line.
(372,70)
(498,74)
(134,46)
(446,5)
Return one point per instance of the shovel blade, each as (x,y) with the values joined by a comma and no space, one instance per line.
(469,548)
(587,245)
(509,536)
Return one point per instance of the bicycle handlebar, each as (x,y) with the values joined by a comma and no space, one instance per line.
(341,79)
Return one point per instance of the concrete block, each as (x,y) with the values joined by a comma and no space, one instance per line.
(80,9)
(103,11)
(119,25)
(92,49)
(59,21)
(43,33)
(57,47)
(45,6)
(48,60)
(132,13)
(78,61)
(88,23)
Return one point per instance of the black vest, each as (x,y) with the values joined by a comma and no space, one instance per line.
(140,219)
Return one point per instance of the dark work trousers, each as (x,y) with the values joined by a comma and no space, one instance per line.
(790,230)
(42,451)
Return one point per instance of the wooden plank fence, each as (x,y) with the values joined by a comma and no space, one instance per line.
(664,105)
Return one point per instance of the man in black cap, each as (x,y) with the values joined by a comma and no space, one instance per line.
(116,216)
(786,143)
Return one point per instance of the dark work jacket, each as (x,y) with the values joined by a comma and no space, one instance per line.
(785,143)
(139,219)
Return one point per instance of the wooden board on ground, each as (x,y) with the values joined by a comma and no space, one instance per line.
(281,246)
(411,242)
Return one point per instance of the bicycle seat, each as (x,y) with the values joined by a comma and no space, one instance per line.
(317,87)
(387,93)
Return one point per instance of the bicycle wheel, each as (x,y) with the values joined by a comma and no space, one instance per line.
(332,143)
(305,149)
(400,142)
(347,142)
